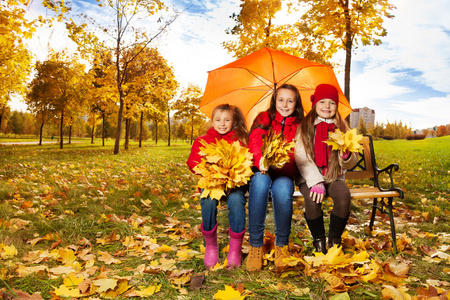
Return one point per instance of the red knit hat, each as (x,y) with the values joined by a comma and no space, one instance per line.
(325,91)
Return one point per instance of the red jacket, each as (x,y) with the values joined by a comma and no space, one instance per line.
(210,137)
(255,140)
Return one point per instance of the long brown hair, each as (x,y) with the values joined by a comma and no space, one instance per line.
(240,126)
(307,131)
(298,111)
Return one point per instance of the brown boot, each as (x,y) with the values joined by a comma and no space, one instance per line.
(280,254)
(254,259)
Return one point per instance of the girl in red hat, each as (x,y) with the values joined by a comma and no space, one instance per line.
(228,123)
(322,172)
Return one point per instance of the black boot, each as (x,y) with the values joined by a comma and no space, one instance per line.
(318,233)
(337,227)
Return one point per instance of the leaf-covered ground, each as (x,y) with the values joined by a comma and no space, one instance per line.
(84,223)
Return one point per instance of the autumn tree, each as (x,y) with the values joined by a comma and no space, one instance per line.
(126,28)
(103,93)
(15,58)
(150,84)
(256,28)
(345,24)
(362,128)
(57,88)
(441,131)
(186,107)
(5,110)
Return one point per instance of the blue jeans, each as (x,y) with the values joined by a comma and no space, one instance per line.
(236,210)
(281,190)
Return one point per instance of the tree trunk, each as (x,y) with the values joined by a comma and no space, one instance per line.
(103,129)
(119,122)
(61,130)
(93,131)
(140,129)
(192,130)
(156,132)
(70,134)
(348,51)
(40,133)
(1,117)
(127,133)
(168,126)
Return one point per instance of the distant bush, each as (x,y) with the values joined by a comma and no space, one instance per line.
(386,137)
(415,137)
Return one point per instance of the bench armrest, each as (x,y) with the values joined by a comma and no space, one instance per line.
(388,170)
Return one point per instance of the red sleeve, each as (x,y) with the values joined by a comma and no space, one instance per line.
(255,142)
(195,157)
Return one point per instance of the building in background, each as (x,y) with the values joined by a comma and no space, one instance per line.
(365,113)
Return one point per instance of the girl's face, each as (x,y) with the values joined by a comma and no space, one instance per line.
(326,108)
(222,121)
(285,102)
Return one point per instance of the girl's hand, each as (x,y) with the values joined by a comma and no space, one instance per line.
(263,167)
(345,155)
(317,192)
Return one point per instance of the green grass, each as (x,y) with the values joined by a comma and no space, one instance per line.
(84,193)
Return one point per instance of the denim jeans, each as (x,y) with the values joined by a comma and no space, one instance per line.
(281,190)
(236,210)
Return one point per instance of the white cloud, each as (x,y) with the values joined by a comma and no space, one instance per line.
(193,43)
(413,60)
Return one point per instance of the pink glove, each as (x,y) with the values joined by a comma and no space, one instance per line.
(318,189)
(345,155)
(317,193)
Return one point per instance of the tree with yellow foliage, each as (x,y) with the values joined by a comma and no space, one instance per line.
(345,24)
(186,107)
(255,28)
(15,58)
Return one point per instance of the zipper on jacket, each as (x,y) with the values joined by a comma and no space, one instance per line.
(282,125)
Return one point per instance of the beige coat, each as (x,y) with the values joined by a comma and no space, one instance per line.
(309,171)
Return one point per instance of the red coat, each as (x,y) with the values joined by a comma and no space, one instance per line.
(255,140)
(210,137)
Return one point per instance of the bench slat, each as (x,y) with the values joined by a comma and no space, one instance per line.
(361,193)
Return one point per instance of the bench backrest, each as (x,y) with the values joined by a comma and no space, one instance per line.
(364,168)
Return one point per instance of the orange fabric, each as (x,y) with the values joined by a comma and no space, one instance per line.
(248,82)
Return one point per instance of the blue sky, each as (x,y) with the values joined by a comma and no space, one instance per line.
(406,79)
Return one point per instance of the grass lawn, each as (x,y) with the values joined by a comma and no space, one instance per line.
(82,222)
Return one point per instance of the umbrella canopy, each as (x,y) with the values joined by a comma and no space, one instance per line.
(249,82)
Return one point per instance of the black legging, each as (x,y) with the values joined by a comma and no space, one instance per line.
(340,194)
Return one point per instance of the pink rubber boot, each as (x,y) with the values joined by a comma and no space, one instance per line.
(235,253)
(211,247)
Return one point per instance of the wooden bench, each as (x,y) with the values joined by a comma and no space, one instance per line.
(366,168)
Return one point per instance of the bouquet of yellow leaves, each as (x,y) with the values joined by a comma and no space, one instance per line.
(275,150)
(223,167)
(345,142)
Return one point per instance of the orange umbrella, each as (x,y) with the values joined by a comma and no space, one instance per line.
(249,82)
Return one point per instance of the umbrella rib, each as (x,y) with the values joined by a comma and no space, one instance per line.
(255,75)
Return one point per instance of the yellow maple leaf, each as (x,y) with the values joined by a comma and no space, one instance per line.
(149,290)
(390,292)
(164,248)
(107,258)
(105,284)
(345,142)
(67,256)
(228,294)
(64,291)
(8,251)
(373,273)
(72,281)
